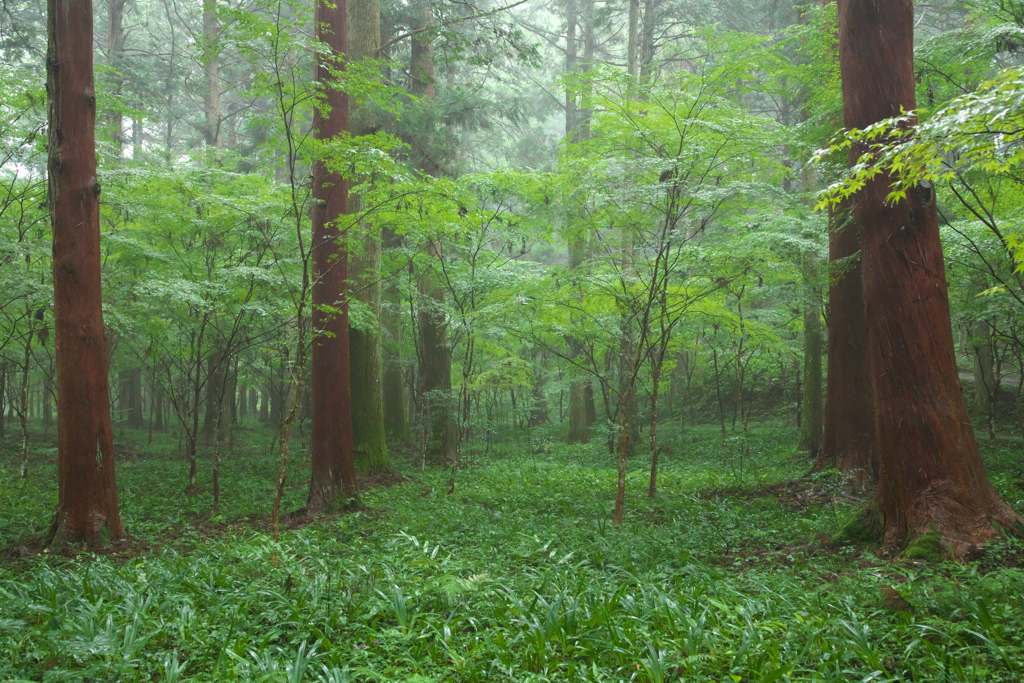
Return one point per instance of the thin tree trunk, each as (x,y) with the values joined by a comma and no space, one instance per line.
(652,488)
(624,445)
(3,401)
(23,400)
(718,389)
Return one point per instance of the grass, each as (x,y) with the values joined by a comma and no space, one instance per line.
(517,576)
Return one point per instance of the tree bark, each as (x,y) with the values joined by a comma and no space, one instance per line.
(849,434)
(811,423)
(158,406)
(332,467)
(131,398)
(579,426)
(243,402)
(849,429)
(396,414)
(985,384)
(87,507)
(216,376)
(435,374)
(435,370)
(931,477)
(371,449)
(211,67)
(3,400)
(115,50)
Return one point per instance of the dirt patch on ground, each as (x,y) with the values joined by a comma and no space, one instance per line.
(795,495)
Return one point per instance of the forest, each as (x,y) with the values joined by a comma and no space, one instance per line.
(511,340)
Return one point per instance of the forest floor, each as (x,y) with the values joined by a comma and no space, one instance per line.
(519,575)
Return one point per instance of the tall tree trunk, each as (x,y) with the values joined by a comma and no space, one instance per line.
(216,376)
(633,39)
(435,371)
(87,507)
(211,67)
(579,428)
(3,400)
(396,414)
(243,402)
(589,406)
(371,449)
(812,422)
(23,402)
(47,392)
(931,477)
(849,429)
(539,409)
(647,41)
(332,468)
(158,406)
(435,368)
(115,50)
(134,415)
(848,442)
(985,382)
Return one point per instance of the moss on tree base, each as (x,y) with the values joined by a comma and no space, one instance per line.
(862,528)
(927,547)
(866,527)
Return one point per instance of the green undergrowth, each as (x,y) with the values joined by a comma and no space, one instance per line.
(518,575)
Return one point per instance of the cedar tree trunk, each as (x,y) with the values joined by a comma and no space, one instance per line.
(848,441)
(332,469)
(211,65)
(371,449)
(931,478)
(811,422)
(396,414)
(87,509)
(435,370)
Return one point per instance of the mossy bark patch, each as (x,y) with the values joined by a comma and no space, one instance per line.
(927,547)
(864,527)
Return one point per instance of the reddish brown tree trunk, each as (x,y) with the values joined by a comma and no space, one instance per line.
(849,407)
(87,509)
(849,426)
(332,475)
(931,477)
